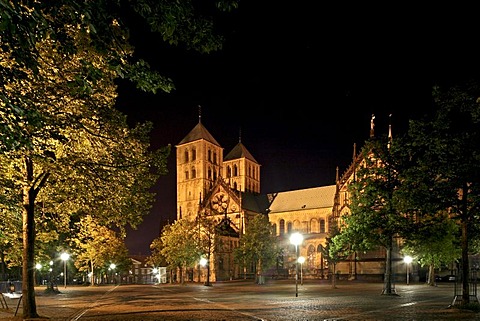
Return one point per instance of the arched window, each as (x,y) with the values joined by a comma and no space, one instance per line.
(322,226)
(314,226)
(289,227)
(214,157)
(194,154)
(186,156)
(186,174)
(229,171)
(209,173)
(235,170)
(209,155)
(274,229)
(194,172)
(282,227)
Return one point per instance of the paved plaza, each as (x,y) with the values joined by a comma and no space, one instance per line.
(277,300)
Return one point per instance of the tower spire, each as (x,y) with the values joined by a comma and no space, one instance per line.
(372,133)
(389,131)
(199,114)
(240,135)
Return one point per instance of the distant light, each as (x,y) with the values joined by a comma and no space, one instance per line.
(203,261)
(38,266)
(408,259)
(65,256)
(296,238)
(301,260)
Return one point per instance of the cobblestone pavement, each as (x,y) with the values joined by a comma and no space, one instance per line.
(244,300)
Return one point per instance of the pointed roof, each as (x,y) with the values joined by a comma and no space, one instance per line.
(197,133)
(316,197)
(239,151)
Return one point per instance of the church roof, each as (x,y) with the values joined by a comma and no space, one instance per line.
(197,133)
(316,197)
(239,151)
(258,203)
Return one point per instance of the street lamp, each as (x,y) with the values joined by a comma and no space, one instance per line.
(65,256)
(204,262)
(38,266)
(296,239)
(112,267)
(301,260)
(408,259)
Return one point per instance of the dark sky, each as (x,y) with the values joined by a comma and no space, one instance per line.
(299,82)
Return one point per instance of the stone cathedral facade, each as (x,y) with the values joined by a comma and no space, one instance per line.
(226,187)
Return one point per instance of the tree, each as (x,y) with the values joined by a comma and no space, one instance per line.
(442,154)
(58,64)
(258,246)
(180,245)
(85,149)
(106,23)
(337,248)
(433,241)
(96,246)
(374,217)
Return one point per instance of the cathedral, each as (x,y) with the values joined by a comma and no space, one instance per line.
(227,189)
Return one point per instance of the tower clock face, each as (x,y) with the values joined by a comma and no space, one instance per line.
(219,202)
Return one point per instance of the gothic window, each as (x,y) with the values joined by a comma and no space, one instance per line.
(274,229)
(209,155)
(214,175)
(209,173)
(194,154)
(186,174)
(289,227)
(194,172)
(229,171)
(214,157)
(186,156)
(235,170)
(282,227)
(235,186)
(322,226)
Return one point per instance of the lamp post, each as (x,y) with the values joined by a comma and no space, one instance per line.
(112,267)
(204,262)
(65,256)
(296,239)
(408,259)
(301,260)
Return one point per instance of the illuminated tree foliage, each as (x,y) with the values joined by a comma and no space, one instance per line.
(374,219)
(62,142)
(95,247)
(180,246)
(258,246)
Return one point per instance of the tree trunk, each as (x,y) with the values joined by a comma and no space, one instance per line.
(334,276)
(464,244)
(387,284)
(28,268)
(431,275)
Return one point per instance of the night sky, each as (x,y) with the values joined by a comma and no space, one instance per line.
(299,84)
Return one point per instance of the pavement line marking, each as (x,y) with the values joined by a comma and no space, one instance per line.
(230,309)
(80,313)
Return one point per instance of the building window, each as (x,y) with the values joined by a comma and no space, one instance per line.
(186,156)
(214,157)
(274,229)
(282,227)
(209,173)
(289,227)
(186,174)
(229,171)
(322,226)
(194,154)
(209,155)
(235,170)
(194,172)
